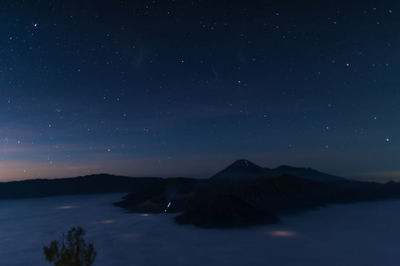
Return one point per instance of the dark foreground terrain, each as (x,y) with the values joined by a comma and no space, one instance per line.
(243,194)
(245,202)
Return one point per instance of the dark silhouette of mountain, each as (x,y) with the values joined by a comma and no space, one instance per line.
(155,198)
(105,183)
(241,169)
(223,211)
(307,173)
(242,194)
(91,184)
(246,169)
(230,202)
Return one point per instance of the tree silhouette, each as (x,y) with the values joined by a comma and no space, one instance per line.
(72,251)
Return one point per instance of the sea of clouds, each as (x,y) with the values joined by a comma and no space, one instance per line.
(352,234)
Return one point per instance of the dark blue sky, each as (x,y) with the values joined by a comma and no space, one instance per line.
(185,87)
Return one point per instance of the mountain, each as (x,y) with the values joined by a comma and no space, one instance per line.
(242,194)
(223,211)
(241,169)
(307,173)
(238,202)
(91,184)
(246,169)
(105,183)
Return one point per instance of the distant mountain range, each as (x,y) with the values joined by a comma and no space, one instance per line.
(105,183)
(91,184)
(246,169)
(242,194)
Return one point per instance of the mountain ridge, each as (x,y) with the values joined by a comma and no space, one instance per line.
(259,196)
(246,169)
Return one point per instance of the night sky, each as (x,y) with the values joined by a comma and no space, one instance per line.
(183,88)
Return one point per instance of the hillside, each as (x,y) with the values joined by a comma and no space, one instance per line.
(246,169)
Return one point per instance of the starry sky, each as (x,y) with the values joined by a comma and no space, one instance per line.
(183,88)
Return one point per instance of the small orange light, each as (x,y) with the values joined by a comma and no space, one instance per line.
(282,233)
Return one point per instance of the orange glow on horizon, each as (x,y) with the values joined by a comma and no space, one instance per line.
(67,207)
(281,233)
(107,221)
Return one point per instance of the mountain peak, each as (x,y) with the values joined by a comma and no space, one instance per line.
(240,168)
(243,164)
